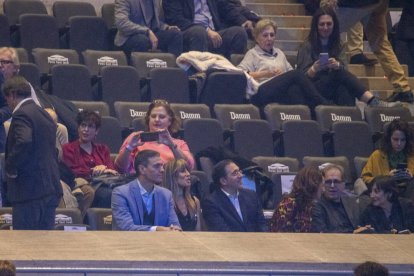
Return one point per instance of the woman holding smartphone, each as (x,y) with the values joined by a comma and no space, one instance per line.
(322,58)
(159,118)
(397,149)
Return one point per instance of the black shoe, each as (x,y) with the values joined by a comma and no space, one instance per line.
(401,97)
(362,59)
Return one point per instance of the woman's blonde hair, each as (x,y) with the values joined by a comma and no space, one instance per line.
(12,53)
(172,169)
(263,24)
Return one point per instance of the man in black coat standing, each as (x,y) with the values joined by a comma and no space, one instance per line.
(32,172)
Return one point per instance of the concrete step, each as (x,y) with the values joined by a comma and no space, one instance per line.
(370,71)
(288,45)
(290,21)
(380,83)
(277,9)
(298,34)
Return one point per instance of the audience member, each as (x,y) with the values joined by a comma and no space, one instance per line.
(294,212)
(142,205)
(7,268)
(335,212)
(187,207)
(87,159)
(355,46)
(140,28)
(405,32)
(373,13)
(159,118)
(397,147)
(62,132)
(329,73)
(269,66)
(230,208)
(388,213)
(203,27)
(370,269)
(33,186)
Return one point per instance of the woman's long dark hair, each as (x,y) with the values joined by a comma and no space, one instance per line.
(402,126)
(334,41)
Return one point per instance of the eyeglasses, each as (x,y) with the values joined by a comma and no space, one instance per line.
(330,182)
(236,173)
(85,125)
(5,61)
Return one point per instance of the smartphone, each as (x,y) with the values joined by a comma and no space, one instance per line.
(149,136)
(323,58)
(402,166)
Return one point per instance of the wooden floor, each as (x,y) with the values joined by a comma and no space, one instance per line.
(203,253)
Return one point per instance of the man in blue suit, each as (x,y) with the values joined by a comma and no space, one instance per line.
(142,205)
(231,208)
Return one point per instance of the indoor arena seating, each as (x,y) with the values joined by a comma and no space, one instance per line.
(4,31)
(171,84)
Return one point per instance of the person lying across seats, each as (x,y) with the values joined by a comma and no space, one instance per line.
(278,81)
(160,118)
(323,59)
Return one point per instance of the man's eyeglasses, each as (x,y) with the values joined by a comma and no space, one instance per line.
(5,61)
(236,173)
(330,182)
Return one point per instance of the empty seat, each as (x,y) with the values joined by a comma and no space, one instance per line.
(276,114)
(31,73)
(13,9)
(68,216)
(4,31)
(144,62)
(171,84)
(224,88)
(190,111)
(45,59)
(227,114)
(63,10)
(352,139)
(359,164)
(202,133)
(338,160)
(119,83)
(252,138)
(110,133)
(72,82)
(95,60)
(302,138)
(99,219)
(87,32)
(236,59)
(326,115)
(376,117)
(265,161)
(126,112)
(38,31)
(23,55)
(101,108)
(202,188)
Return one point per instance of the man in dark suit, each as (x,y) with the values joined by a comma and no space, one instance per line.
(336,212)
(142,205)
(33,186)
(230,207)
(141,29)
(204,29)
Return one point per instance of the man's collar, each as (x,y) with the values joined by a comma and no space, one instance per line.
(20,104)
(228,194)
(143,191)
(260,51)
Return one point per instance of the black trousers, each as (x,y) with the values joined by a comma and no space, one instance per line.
(292,87)
(170,41)
(37,214)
